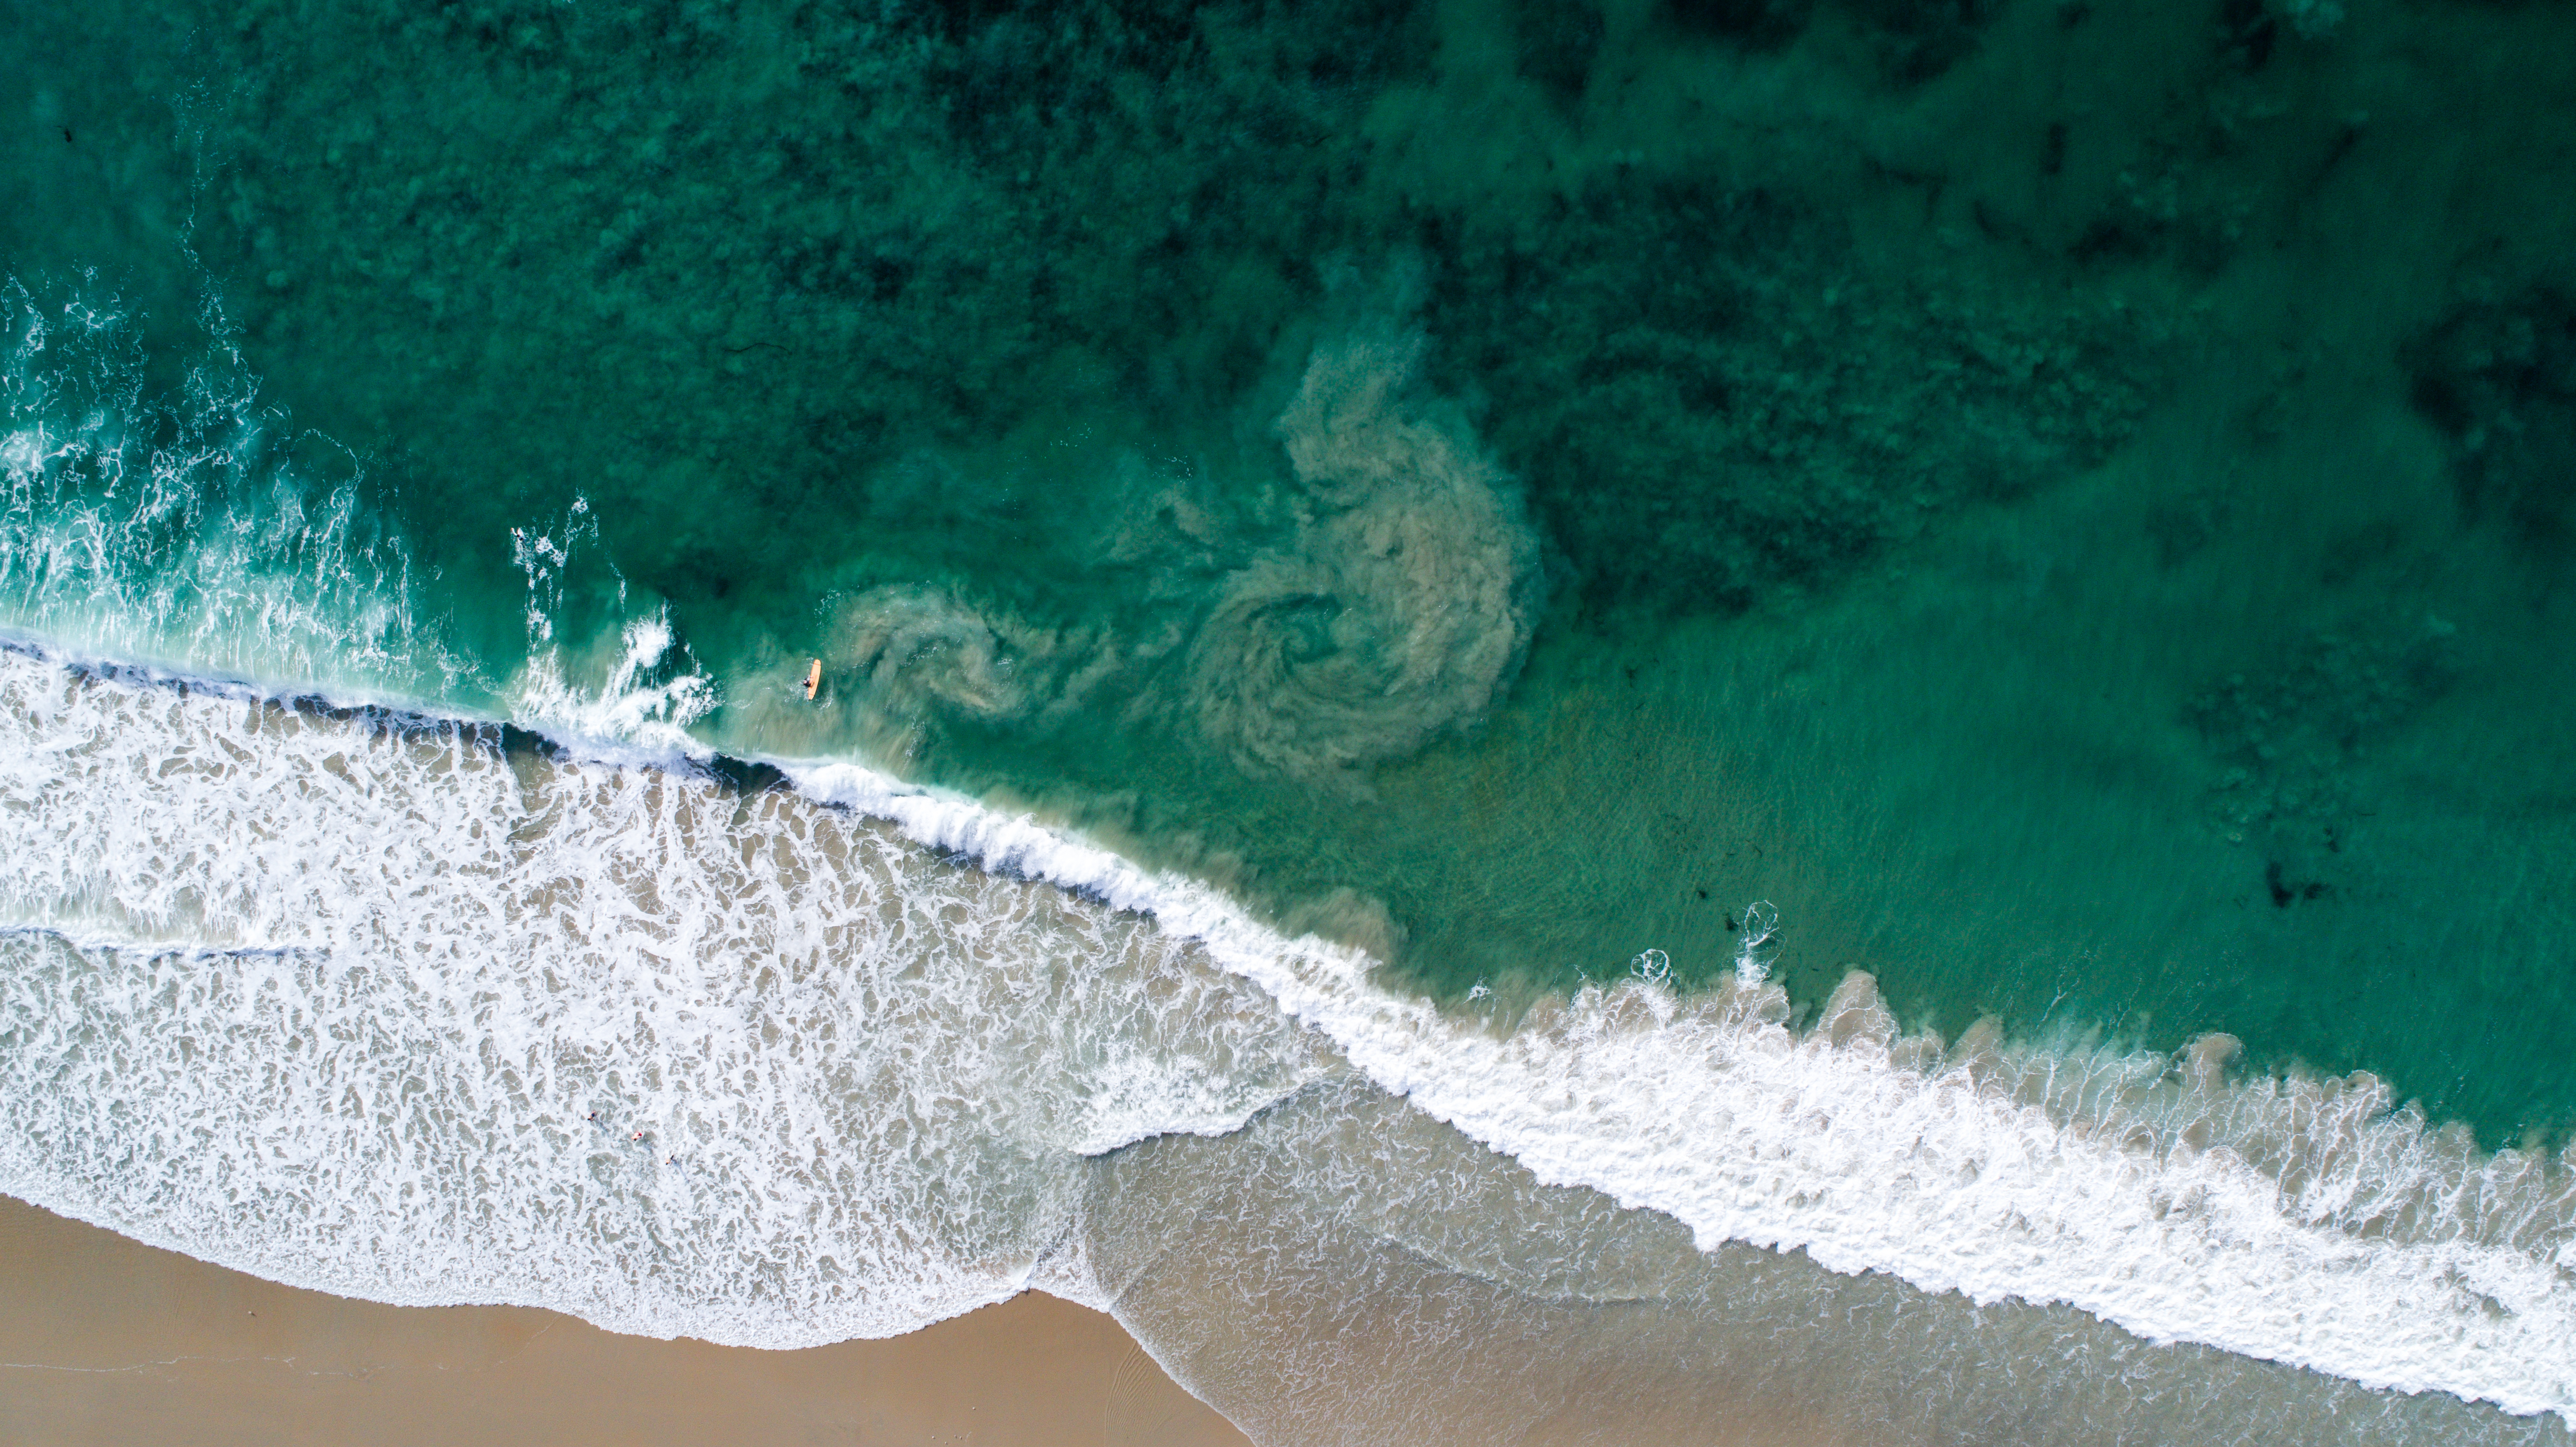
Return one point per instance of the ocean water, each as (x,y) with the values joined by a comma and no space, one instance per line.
(1637,722)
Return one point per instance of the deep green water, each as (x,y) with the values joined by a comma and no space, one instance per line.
(2074,503)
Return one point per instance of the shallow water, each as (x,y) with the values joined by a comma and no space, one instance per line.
(2065,504)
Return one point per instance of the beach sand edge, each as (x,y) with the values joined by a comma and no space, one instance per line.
(106,1340)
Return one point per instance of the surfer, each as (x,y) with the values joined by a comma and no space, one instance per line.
(813,679)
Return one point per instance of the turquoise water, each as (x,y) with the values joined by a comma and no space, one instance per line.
(2068,503)
(2009,519)
(2023,559)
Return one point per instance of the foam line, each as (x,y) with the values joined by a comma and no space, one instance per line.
(2298,1221)
(369,1005)
(2132,1187)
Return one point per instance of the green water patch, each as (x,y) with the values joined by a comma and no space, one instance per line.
(2067,502)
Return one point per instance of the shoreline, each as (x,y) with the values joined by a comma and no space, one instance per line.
(104,1339)
(1954,1115)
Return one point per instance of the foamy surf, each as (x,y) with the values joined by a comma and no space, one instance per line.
(2307,1222)
(374,1006)
(333,998)
(193,532)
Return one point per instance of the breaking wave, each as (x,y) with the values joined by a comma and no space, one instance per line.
(380,1006)
(335,997)
(420,1009)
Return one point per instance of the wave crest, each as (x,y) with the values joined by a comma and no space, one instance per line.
(332,997)
(385,1007)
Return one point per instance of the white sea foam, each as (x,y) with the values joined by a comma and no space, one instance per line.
(628,697)
(2304,1222)
(194,531)
(408,971)
(335,1000)
(191,538)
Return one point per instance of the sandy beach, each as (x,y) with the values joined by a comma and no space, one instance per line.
(105,1340)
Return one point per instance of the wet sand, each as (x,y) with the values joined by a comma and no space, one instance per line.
(105,1340)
